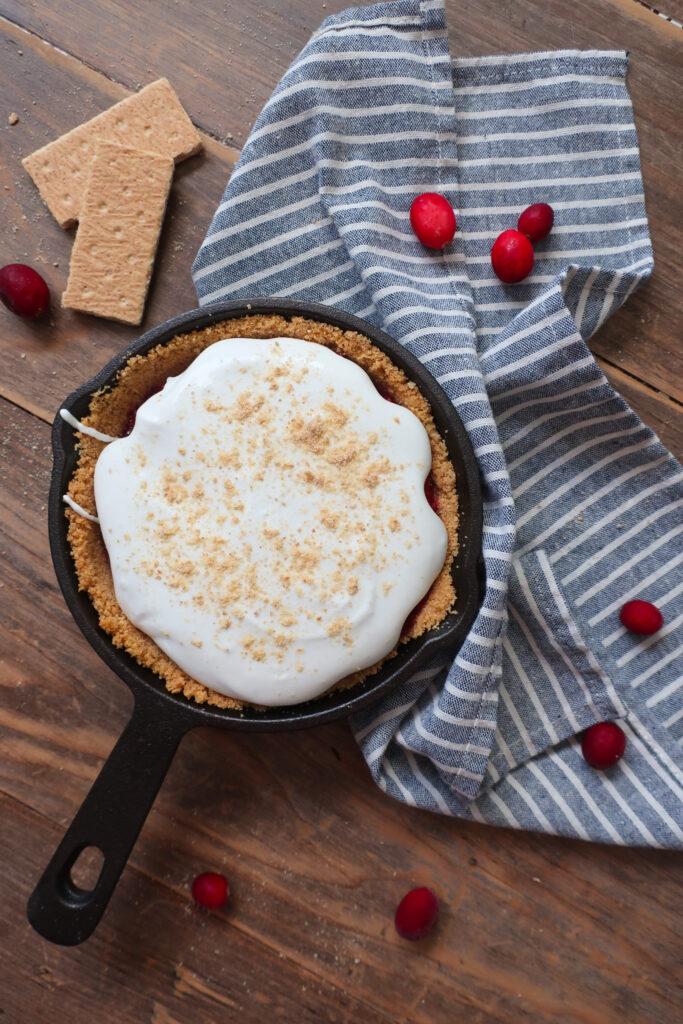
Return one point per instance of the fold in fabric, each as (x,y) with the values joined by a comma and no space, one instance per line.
(582,502)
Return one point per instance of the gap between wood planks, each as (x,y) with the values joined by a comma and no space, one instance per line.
(19,402)
(660,14)
(234,153)
(216,140)
(233,923)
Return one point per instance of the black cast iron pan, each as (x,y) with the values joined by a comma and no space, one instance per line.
(114,810)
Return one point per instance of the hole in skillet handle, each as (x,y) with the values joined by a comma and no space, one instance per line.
(110,819)
(79,879)
(70,893)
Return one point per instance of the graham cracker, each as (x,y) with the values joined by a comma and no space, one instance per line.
(121,215)
(153,120)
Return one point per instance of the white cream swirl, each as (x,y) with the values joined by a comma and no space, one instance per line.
(266,520)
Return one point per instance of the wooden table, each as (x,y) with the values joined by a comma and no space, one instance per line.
(533,928)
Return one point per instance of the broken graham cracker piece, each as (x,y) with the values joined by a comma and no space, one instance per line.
(121,215)
(152,120)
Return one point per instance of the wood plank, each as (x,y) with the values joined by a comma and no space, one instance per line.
(44,360)
(532,928)
(671,9)
(209,972)
(659,412)
(226,63)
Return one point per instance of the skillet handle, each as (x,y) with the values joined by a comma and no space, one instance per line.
(110,818)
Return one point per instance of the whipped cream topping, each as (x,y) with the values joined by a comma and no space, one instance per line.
(266,520)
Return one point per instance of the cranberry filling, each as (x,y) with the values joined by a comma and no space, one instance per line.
(338,352)
(412,618)
(384,393)
(432,498)
(132,415)
(430,493)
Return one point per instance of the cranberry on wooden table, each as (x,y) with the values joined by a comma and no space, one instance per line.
(416,914)
(603,745)
(210,890)
(23,290)
(432,219)
(512,256)
(536,221)
(641,617)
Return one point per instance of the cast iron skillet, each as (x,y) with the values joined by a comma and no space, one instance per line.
(114,810)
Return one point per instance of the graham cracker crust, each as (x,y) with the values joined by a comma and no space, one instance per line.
(108,413)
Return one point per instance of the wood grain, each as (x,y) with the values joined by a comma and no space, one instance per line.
(671,9)
(130,972)
(44,361)
(226,63)
(532,928)
(659,412)
(43,365)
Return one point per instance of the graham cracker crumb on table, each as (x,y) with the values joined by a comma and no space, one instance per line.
(108,413)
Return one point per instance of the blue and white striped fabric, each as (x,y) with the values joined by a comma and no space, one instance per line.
(582,501)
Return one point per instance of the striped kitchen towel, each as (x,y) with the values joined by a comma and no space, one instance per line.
(582,502)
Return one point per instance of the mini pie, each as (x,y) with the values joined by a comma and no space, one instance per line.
(276,584)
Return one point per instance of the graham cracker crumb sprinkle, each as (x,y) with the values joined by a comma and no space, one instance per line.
(339,462)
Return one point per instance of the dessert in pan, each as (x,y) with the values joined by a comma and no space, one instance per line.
(269,511)
(383,546)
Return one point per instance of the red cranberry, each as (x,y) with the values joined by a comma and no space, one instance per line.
(416,914)
(430,493)
(512,256)
(433,220)
(23,290)
(210,890)
(603,745)
(536,221)
(641,617)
